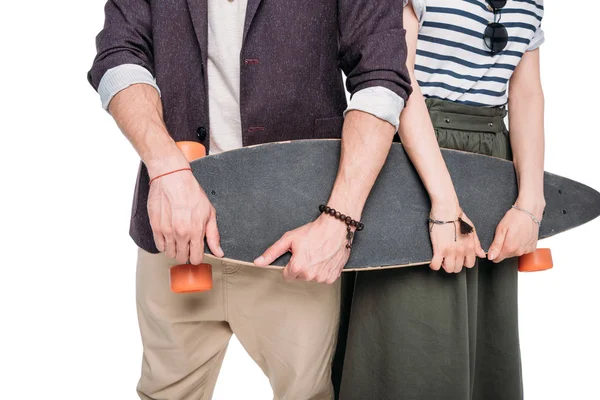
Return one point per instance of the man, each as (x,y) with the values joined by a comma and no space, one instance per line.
(259,71)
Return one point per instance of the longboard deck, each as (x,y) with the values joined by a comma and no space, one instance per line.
(261,192)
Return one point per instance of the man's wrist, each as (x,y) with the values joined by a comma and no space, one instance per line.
(162,159)
(333,225)
(345,207)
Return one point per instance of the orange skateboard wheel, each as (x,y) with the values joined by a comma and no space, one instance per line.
(191,150)
(539,260)
(187,278)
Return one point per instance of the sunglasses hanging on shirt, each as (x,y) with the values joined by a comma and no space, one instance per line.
(496,35)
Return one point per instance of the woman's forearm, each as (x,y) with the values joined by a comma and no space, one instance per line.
(527,142)
(417,134)
(526,118)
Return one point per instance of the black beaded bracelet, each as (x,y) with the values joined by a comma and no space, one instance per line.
(344,218)
(336,214)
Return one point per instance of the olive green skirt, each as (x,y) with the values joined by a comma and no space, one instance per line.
(412,333)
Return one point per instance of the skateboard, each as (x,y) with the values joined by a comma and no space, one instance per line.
(261,192)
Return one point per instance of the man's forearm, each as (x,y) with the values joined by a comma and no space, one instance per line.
(138,113)
(366,142)
(527,142)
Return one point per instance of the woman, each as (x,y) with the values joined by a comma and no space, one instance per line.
(415,333)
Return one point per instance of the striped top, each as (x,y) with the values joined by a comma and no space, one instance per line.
(453,62)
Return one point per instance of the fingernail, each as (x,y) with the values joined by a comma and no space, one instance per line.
(259,260)
(492,255)
(221,251)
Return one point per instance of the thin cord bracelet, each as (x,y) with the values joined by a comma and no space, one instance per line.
(465,228)
(168,173)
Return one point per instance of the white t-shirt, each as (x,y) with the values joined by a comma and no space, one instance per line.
(225,35)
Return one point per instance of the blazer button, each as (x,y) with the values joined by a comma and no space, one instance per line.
(201,133)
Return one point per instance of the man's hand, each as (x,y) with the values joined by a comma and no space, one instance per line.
(181,215)
(516,234)
(318,250)
(450,254)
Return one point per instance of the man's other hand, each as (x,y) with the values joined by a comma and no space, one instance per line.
(318,250)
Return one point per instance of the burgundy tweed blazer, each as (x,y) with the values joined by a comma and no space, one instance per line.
(291,86)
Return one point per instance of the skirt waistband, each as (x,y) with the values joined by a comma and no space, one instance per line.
(450,115)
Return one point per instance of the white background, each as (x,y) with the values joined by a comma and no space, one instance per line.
(68,322)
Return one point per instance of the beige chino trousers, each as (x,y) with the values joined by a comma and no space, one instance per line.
(288,328)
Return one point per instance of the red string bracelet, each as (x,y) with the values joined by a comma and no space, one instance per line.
(168,173)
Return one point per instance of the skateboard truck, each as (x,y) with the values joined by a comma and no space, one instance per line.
(186,278)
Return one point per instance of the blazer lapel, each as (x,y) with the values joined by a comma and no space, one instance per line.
(199,13)
(250,13)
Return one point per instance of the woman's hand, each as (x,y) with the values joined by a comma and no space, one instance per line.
(516,234)
(451,249)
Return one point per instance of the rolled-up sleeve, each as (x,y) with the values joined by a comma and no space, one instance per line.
(373,46)
(125,39)
(537,40)
(121,77)
(380,102)
(419,6)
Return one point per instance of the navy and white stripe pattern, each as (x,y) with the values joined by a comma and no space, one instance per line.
(453,62)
